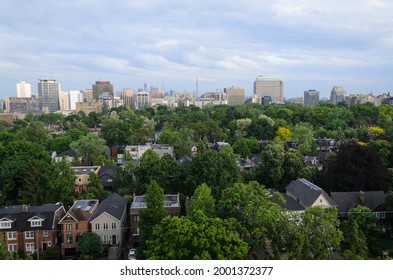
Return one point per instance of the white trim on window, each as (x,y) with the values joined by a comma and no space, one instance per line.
(29,234)
(30,247)
(11,235)
(12,247)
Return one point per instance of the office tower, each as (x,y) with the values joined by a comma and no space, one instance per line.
(142,99)
(235,95)
(311,97)
(102,90)
(337,95)
(88,95)
(75,96)
(23,89)
(64,100)
(48,93)
(128,97)
(273,87)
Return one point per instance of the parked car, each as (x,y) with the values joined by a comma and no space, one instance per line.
(132,254)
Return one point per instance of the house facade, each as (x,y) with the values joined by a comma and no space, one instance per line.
(110,219)
(74,223)
(171,206)
(32,229)
(82,177)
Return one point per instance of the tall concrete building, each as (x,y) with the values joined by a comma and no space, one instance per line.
(23,89)
(337,95)
(102,90)
(88,95)
(235,95)
(48,93)
(128,96)
(142,99)
(273,87)
(64,100)
(74,97)
(311,97)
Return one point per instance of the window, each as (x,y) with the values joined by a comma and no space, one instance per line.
(106,226)
(12,248)
(79,180)
(105,239)
(383,215)
(135,231)
(11,235)
(97,226)
(69,238)
(30,247)
(135,218)
(46,233)
(69,227)
(35,223)
(5,224)
(113,225)
(109,180)
(29,234)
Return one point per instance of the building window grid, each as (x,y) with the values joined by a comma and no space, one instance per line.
(97,226)
(11,235)
(5,224)
(29,234)
(12,247)
(36,223)
(30,247)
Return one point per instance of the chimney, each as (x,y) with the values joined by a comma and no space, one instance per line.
(25,208)
(361,197)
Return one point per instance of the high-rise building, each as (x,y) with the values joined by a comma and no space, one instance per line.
(337,95)
(75,96)
(142,99)
(235,95)
(48,93)
(23,89)
(102,90)
(88,95)
(128,97)
(311,97)
(64,100)
(273,87)
(22,105)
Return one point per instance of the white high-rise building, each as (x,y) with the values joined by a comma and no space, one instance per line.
(75,96)
(23,89)
(337,95)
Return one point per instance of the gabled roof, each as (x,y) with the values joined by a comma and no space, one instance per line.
(70,153)
(306,192)
(291,204)
(113,205)
(21,216)
(108,170)
(184,161)
(348,200)
(255,158)
(82,210)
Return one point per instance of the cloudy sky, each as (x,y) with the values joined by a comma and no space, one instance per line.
(168,43)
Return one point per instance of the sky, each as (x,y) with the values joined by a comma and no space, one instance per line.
(168,44)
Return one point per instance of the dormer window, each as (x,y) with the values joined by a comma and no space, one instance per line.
(5,224)
(35,221)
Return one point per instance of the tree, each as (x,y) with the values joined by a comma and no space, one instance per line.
(354,245)
(95,188)
(271,172)
(152,214)
(356,168)
(62,183)
(294,167)
(318,233)
(89,147)
(4,254)
(115,131)
(89,243)
(245,146)
(202,238)
(202,200)
(303,134)
(284,133)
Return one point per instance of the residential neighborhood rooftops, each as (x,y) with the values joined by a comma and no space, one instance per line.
(114,205)
(79,170)
(170,200)
(348,200)
(82,210)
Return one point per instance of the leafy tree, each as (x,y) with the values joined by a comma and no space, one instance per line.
(89,147)
(89,243)
(152,214)
(384,150)
(53,253)
(4,254)
(115,131)
(62,183)
(59,143)
(284,133)
(245,146)
(201,238)
(294,167)
(95,188)
(355,168)
(303,134)
(202,200)
(317,234)
(354,244)
(271,172)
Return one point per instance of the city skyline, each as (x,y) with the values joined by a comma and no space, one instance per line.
(169,44)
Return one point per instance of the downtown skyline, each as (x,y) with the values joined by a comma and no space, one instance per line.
(169,44)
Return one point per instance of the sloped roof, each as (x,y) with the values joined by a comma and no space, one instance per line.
(348,200)
(108,170)
(82,210)
(114,205)
(21,218)
(306,192)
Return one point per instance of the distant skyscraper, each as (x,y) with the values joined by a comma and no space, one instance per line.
(64,100)
(142,99)
(273,87)
(337,95)
(102,90)
(235,95)
(23,89)
(74,97)
(128,97)
(311,97)
(88,95)
(48,93)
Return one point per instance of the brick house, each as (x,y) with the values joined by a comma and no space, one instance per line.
(31,228)
(74,223)
(82,177)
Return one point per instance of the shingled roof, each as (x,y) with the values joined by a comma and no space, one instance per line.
(114,205)
(306,193)
(20,215)
(348,200)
